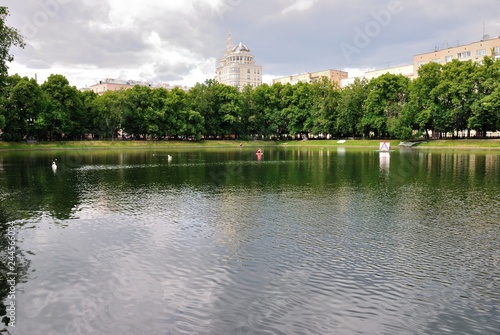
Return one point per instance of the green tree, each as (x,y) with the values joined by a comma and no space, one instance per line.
(228,106)
(64,116)
(8,37)
(423,103)
(155,117)
(9,112)
(267,106)
(301,109)
(251,117)
(456,92)
(384,103)
(485,110)
(23,106)
(192,124)
(107,111)
(220,107)
(201,101)
(43,127)
(139,111)
(323,114)
(283,111)
(176,113)
(351,108)
(89,115)
(182,112)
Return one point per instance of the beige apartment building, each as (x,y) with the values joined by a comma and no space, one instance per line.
(237,67)
(335,76)
(110,84)
(473,51)
(404,70)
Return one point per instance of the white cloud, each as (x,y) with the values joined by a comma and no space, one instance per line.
(37,64)
(299,6)
(181,41)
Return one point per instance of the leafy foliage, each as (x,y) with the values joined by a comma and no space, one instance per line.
(8,37)
(457,96)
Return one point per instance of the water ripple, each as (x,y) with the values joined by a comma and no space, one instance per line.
(169,259)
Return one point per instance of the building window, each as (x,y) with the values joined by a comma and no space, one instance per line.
(463,54)
(497,51)
(448,59)
(481,52)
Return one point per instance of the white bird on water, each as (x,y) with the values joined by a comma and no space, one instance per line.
(54,166)
(169,157)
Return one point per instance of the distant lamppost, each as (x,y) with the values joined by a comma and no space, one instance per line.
(31,123)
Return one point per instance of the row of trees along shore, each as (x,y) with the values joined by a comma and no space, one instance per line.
(455,98)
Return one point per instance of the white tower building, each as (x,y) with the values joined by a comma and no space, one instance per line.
(237,67)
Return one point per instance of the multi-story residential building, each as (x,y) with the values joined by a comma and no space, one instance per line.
(474,51)
(405,70)
(335,76)
(110,84)
(237,67)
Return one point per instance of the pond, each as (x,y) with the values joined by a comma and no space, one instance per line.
(221,241)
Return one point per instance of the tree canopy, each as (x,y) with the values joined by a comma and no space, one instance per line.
(450,98)
(459,97)
(9,37)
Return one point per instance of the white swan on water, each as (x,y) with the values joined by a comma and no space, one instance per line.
(169,157)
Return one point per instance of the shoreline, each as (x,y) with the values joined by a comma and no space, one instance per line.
(459,144)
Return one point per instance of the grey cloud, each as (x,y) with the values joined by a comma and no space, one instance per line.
(37,64)
(171,72)
(307,40)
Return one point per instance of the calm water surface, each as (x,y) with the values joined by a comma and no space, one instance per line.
(303,241)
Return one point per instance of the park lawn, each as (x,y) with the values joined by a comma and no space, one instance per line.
(124,144)
(127,144)
(462,143)
(191,144)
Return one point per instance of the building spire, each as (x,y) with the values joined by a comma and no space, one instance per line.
(229,43)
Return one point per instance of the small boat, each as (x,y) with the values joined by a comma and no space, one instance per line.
(259,154)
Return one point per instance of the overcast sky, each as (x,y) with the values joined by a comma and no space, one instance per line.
(181,41)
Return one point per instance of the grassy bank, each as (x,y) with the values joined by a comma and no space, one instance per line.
(118,144)
(87,145)
(462,143)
